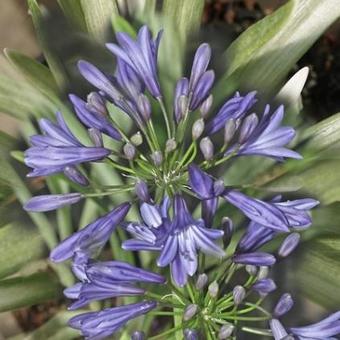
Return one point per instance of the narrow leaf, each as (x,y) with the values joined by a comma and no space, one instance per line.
(74,12)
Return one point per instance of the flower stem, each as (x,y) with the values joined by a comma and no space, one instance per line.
(165,115)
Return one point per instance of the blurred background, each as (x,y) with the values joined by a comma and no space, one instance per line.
(224,20)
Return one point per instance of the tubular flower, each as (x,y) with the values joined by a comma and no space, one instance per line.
(171,163)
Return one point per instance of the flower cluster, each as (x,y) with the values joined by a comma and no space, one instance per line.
(172,176)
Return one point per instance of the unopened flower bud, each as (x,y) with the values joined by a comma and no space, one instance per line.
(137,139)
(129,151)
(283,306)
(190,334)
(96,137)
(207,148)
(157,158)
(142,191)
(251,270)
(248,126)
(189,312)
(182,105)
(144,107)
(75,176)
(263,272)
(264,286)
(239,293)
(226,331)
(227,226)
(289,244)
(197,129)
(229,131)
(170,145)
(206,105)
(96,103)
(213,289)
(202,281)
(138,335)
(219,187)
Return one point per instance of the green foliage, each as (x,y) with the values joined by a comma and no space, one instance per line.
(23,291)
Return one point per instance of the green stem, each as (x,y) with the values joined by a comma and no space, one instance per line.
(165,115)
(170,331)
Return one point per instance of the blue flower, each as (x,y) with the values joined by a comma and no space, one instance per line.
(187,236)
(57,149)
(152,233)
(141,56)
(92,238)
(98,325)
(91,117)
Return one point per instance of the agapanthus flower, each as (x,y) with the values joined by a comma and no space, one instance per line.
(99,325)
(167,180)
(92,238)
(57,148)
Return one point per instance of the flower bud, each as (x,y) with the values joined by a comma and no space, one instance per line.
(197,129)
(96,103)
(263,272)
(144,107)
(182,106)
(207,148)
(247,127)
(226,331)
(239,293)
(157,158)
(251,270)
(213,289)
(264,286)
(202,281)
(190,334)
(170,145)
(283,306)
(138,335)
(189,312)
(227,226)
(96,137)
(229,131)
(219,187)
(289,244)
(129,151)
(137,139)
(206,105)
(75,176)
(142,191)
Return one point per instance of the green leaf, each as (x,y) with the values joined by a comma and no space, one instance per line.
(55,64)
(28,290)
(74,12)
(317,271)
(119,24)
(185,16)
(38,74)
(98,14)
(19,245)
(264,54)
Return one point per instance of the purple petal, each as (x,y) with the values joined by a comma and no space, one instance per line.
(256,259)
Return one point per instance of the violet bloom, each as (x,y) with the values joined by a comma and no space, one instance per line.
(153,231)
(92,238)
(141,56)
(51,202)
(266,137)
(322,330)
(187,236)
(235,108)
(279,216)
(191,93)
(58,148)
(90,116)
(264,286)
(99,325)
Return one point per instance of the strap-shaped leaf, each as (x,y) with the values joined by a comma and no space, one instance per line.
(19,245)
(74,12)
(35,72)
(264,54)
(25,291)
(55,64)
(317,271)
(98,14)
